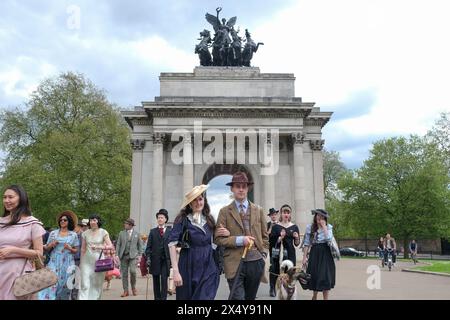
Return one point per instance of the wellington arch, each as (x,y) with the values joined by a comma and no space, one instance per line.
(172,138)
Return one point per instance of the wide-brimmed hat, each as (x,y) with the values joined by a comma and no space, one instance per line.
(272,211)
(321,212)
(239,177)
(67,213)
(164,213)
(193,194)
(130,222)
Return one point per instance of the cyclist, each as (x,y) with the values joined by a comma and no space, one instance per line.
(380,249)
(389,246)
(413,250)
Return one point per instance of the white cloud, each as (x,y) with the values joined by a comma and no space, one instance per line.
(398,49)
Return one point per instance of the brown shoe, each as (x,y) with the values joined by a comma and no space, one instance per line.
(134,292)
(124,294)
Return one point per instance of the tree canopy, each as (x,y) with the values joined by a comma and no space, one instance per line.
(69,148)
(402,188)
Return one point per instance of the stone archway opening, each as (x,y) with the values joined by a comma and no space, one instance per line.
(218,193)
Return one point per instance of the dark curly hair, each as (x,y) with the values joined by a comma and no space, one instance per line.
(99,220)
(71,223)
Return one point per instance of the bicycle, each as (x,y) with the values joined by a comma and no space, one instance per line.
(414,257)
(389,261)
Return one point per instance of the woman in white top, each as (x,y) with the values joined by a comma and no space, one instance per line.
(94,241)
(320,262)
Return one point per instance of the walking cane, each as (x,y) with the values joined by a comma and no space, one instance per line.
(238,271)
(146,290)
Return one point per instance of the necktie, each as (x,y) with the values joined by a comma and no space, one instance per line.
(161,231)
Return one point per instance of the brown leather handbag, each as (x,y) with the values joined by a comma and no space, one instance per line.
(34,281)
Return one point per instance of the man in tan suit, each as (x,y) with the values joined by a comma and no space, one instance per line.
(246,223)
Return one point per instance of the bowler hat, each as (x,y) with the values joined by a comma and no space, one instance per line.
(272,211)
(164,213)
(239,177)
(130,222)
(321,212)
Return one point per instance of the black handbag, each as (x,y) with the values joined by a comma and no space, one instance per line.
(184,242)
(276,252)
(218,258)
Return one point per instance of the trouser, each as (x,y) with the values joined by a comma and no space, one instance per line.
(160,284)
(248,280)
(125,264)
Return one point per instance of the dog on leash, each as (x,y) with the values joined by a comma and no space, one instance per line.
(286,288)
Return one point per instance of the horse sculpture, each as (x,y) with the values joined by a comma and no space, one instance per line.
(202,48)
(226,51)
(249,48)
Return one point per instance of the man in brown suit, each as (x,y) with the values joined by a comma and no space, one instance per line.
(246,223)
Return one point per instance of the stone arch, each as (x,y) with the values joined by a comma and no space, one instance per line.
(216,170)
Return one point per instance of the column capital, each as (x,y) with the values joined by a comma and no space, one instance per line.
(298,137)
(137,144)
(317,144)
(158,137)
(187,138)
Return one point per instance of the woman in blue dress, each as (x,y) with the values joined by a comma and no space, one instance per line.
(63,244)
(195,273)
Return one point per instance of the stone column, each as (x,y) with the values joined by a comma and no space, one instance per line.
(319,193)
(269,184)
(136,178)
(188,165)
(158,167)
(301,217)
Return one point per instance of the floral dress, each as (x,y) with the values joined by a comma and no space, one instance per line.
(61,262)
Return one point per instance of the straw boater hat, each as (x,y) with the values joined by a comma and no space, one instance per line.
(67,213)
(193,194)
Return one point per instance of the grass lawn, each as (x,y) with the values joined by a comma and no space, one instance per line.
(437,266)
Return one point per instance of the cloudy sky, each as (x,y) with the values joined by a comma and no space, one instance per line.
(382,66)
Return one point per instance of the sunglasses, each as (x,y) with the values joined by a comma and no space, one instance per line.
(63,220)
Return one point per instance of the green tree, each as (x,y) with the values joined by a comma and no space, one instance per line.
(69,147)
(440,135)
(333,168)
(401,189)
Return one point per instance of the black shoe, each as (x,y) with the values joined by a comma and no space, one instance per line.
(272,292)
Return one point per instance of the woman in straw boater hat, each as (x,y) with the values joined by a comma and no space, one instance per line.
(317,254)
(62,245)
(195,274)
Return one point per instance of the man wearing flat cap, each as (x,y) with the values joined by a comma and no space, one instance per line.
(246,223)
(129,247)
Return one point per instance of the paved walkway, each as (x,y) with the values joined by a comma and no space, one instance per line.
(351,284)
